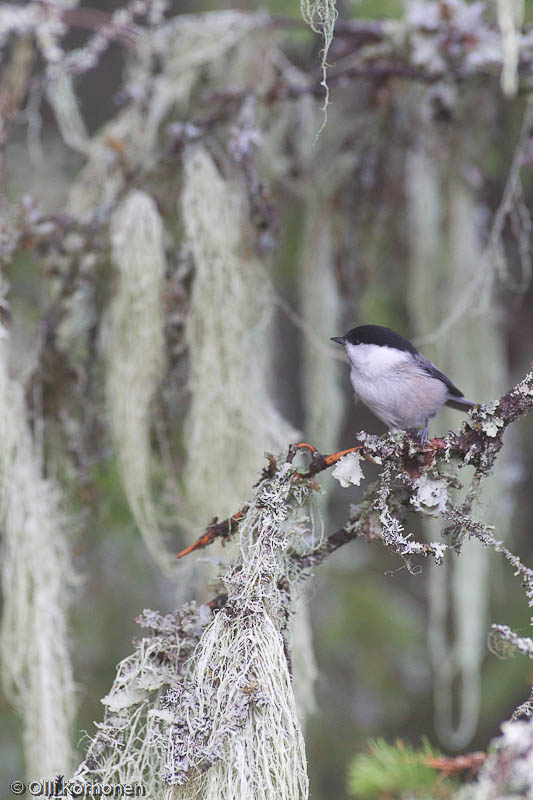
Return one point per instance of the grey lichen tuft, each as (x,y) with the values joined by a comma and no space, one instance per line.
(135,354)
(37,582)
(231,418)
(204,707)
(131,744)
(243,737)
(321,15)
(507,772)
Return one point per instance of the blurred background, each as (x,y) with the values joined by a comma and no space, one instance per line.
(182,171)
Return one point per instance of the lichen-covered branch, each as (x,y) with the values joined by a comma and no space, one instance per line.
(210,687)
(405,460)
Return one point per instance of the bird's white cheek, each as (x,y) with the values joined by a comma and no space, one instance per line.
(374,362)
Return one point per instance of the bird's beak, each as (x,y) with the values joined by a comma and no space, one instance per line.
(338,339)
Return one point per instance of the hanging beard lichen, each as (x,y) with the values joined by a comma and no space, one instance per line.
(204,709)
(134,352)
(321,15)
(321,310)
(182,47)
(231,421)
(510,21)
(458,590)
(242,683)
(320,306)
(62,98)
(131,744)
(37,582)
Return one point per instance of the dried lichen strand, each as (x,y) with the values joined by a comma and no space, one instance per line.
(242,736)
(131,743)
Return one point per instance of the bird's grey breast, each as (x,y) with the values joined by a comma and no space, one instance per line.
(377,376)
(394,385)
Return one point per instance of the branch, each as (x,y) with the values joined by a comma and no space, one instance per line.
(223,530)
(406,460)
(196,650)
(216,530)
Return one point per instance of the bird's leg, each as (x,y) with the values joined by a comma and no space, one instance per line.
(420,434)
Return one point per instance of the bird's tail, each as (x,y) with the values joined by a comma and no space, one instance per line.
(460,403)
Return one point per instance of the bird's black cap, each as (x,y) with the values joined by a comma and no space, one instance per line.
(376,334)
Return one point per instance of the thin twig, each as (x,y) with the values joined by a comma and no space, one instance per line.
(215,530)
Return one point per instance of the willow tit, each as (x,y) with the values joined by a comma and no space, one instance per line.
(401,387)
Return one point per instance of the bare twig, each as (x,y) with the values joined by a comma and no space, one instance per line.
(215,530)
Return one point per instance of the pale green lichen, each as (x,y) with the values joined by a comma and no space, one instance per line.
(491,427)
(525,387)
(348,470)
(321,310)
(134,347)
(204,709)
(37,582)
(487,420)
(431,494)
(232,418)
(510,21)
(131,744)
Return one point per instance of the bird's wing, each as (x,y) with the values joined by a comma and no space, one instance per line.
(432,370)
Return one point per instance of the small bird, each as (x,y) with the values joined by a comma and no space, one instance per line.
(396,382)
